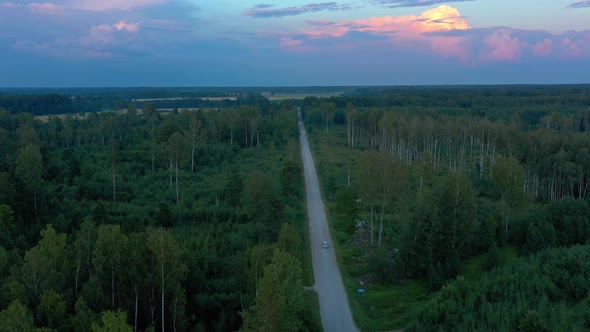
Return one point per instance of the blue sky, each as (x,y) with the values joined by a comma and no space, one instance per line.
(49,43)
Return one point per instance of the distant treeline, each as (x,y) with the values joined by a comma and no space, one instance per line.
(465,97)
(47,104)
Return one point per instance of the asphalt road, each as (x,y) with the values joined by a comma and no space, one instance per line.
(334,309)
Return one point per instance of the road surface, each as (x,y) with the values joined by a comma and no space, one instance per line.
(334,309)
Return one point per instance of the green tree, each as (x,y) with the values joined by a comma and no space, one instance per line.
(198,135)
(16,318)
(7,188)
(137,255)
(116,148)
(457,215)
(83,249)
(45,264)
(261,203)
(328,110)
(508,175)
(52,309)
(234,187)
(112,322)
(421,235)
(109,257)
(291,180)
(347,208)
(289,240)
(84,318)
(279,303)
(29,168)
(370,185)
(540,235)
(171,269)
(177,146)
(6,226)
(532,322)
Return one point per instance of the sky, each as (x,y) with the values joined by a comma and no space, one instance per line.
(95,43)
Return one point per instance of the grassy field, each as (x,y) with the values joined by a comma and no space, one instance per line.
(277,96)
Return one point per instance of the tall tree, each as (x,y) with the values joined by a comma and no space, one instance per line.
(83,248)
(508,177)
(457,215)
(109,254)
(370,185)
(52,309)
(279,303)
(152,113)
(29,168)
(115,156)
(177,146)
(45,264)
(198,136)
(167,256)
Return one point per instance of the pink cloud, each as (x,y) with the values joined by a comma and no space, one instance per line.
(129,27)
(442,18)
(409,30)
(108,33)
(51,8)
(570,48)
(111,5)
(502,46)
(543,48)
(441,31)
(45,8)
(8,5)
(289,42)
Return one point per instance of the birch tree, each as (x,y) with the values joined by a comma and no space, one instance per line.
(167,257)
(109,254)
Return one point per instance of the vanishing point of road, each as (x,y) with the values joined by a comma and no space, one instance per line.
(334,309)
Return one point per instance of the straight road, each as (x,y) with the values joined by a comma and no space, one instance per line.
(334,309)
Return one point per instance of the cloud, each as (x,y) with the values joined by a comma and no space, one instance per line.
(112,5)
(580,4)
(410,3)
(543,48)
(502,46)
(263,6)
(320,22)
(45,8)
(441,32)
(266,12)
(51,8)
(411,27)
(101,41)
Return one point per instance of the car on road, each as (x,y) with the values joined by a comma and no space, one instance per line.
(325,244)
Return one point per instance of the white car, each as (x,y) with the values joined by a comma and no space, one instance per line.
(325,244)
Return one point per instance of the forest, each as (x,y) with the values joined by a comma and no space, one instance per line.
(445,200)
(143,220)
(453,207)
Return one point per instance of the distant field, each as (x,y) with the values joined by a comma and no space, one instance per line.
(45,118)
(299,95)
(179,98)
